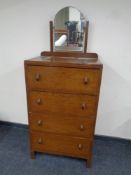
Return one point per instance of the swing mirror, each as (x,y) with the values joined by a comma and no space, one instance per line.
(70,30)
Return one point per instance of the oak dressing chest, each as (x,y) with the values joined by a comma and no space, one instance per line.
(62,95)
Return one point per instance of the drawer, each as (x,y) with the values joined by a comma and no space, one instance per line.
(63,79)
(83,105)
(62,124)
(59,144)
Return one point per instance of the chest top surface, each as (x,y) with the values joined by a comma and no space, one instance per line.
(79,62)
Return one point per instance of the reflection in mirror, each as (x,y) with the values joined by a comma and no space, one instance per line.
(69,30)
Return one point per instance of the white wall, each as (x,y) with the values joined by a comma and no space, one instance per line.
(24,33)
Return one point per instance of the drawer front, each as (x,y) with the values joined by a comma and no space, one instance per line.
(63,103)
(66,145)
(63,79)
(62,124)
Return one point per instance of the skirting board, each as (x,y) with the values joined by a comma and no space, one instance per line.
(11,124)
(99,137)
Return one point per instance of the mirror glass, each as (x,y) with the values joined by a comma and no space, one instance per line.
(69,24)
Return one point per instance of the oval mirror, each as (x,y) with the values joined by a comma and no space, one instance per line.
(69,30)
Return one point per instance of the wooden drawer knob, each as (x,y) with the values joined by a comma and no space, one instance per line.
(86,80)
(80,146)
(82,127)
(83,106)
(39,122)
(38,101)
(37,77)
(40,141)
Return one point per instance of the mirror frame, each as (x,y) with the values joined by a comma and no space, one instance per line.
(52,38)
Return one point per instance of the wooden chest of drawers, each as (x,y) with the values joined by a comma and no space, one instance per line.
(62,98)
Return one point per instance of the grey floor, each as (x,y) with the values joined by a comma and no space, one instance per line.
(110,157)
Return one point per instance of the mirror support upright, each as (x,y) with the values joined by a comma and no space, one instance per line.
(86,36)
(51,36)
